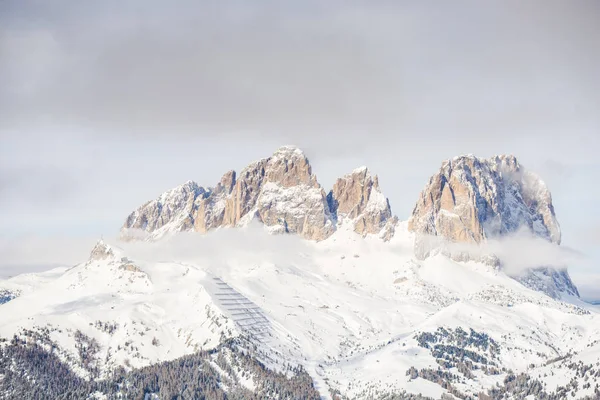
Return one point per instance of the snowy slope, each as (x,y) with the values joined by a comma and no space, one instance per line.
(349,309)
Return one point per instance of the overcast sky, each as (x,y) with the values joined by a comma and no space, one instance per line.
(105,104)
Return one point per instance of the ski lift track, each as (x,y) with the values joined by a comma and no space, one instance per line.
(246,314)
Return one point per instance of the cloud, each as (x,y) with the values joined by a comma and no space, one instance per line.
(246,246)
(396,71)
(522,251)
(517,252)
(251,246)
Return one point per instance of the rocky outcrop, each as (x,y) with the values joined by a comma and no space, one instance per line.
(210,211)
(471,199)
(101,251)
(290,199)
(245,193)
(550,281)
(357,197)
(173,211)
(281,191)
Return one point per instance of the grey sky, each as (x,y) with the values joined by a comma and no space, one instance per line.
(103,105)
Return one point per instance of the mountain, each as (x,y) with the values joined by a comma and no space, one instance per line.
(281,191)
(357,198)
(352,313)
(471,200)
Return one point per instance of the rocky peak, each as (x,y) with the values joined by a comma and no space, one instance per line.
(171,211)
(470,199)
(281,191)
(101,251)
(289,167)
(550,281)
(209,210)
(226,184)
(290,199)
(357,196)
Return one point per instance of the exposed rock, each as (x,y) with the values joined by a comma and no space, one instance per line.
(173,211)
(130,267)
(302,209)
(281,191)
(550,281)
(101,251)
(289,167)
(471,199)
(291,200)
(245,193)
(357,197)
(210,210)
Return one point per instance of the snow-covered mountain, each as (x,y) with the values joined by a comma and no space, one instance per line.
(472,199)
(352,313)
(281,191)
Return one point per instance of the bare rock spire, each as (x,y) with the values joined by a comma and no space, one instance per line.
(357,197)
(471,199)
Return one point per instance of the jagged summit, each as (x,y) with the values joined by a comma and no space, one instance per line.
(358,197)
(471,200)
(360,169)
(288,151)
(101,251)
(171,211)
(281,191)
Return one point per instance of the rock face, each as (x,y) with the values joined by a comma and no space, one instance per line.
(172,211)
(209,210)
(290,200)
(281,191)
(471,200)
(101,251)
(553,282)
(357,197)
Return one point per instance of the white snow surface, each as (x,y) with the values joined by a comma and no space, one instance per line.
(346,308)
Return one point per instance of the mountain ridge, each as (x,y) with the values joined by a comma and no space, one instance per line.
(468,201)
(281,191)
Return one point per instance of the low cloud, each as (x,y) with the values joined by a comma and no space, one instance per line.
(522,251)
(247,245)
(518,252)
